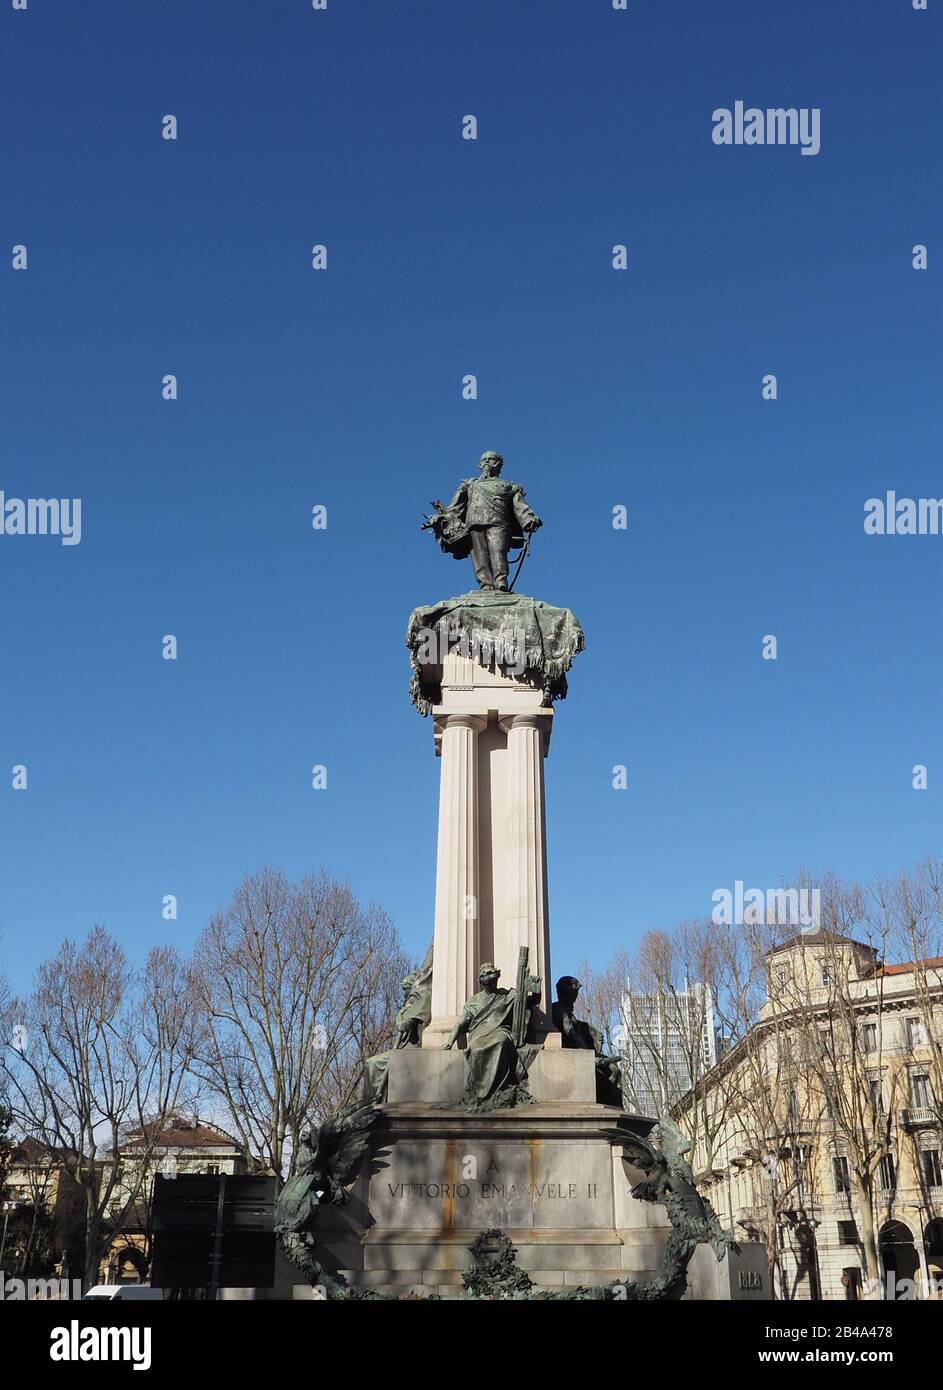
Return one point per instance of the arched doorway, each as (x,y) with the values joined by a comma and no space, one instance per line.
(129,1266)
(900,1259)
(933,1245)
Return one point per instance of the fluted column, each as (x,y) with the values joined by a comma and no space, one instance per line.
(526,921)
(455,953)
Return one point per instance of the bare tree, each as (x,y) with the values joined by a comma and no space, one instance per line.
(824,1083)
(918,903)
(668,1022)
(298,986)
(95,1050)
(601,994)
(766,1094)
(857,924)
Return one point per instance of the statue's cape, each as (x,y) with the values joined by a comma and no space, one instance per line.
(492,623)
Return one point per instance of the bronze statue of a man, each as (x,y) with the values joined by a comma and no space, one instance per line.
(487,518)
(413,1015)
(495,1074)
(578,1033)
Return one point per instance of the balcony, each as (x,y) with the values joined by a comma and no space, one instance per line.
(751,1219)
(794,1129)
(919,1117)
(704,1177)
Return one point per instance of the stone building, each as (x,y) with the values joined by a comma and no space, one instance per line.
(820,1131)
(43,1210)
(183,1145)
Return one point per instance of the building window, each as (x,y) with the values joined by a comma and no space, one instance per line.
(840,1171)
(916,1033)
(212,1170)
(877,1097)
(932,1175)
(826,975)
(847,1233)
(869,1037)
(920,1094)
(887,1173)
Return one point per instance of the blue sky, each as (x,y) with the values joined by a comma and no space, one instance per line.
(343,387)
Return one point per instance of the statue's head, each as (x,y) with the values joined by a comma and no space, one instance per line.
(488,974)
(490,464)
(568,987)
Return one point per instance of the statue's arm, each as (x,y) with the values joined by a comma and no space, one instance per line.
(527,517)
(460,1028)
(460,498)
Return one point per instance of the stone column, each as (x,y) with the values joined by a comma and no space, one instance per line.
(526,922)
(455,951)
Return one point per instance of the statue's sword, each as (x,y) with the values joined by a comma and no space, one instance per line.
(521,558)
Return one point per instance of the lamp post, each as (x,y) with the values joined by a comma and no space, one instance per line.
(7,1208)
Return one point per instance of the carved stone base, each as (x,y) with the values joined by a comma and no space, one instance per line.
(550,1175)
(436,1078)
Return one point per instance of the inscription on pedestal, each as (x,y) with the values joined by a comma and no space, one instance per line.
(530,1184)
(493,1191)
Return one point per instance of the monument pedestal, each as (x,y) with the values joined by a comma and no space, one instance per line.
(553,1176)
(549,1175)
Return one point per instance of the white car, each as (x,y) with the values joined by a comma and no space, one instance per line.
(102,1293)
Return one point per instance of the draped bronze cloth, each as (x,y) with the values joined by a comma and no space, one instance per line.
(491,1057)
(541,639)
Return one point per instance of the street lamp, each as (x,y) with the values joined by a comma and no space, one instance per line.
(9,1206)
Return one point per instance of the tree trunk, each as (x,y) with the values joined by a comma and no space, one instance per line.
(28,1254)
(92,1236)
(869,1243)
